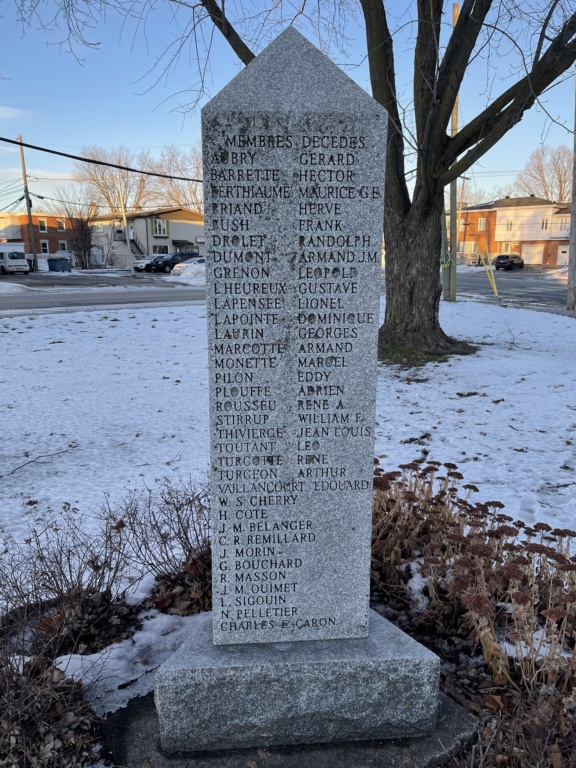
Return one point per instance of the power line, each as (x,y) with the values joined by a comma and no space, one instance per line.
(88,205)
(57,200)
(13,203)
(10,183)
(98,162)
(9,190)
(159,146)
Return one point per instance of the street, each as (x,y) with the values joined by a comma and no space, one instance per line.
(54,290)
(531,287)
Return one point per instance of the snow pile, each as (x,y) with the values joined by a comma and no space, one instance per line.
(191,274)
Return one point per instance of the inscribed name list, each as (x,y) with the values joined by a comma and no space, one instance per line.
(293,216)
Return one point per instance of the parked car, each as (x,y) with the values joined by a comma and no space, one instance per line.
(166,261)
(12,261)
(508,261)
(140,264)
(178,268)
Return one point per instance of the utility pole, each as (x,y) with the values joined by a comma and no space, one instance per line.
(450,279)
(126,232)
(28,208)
(571,298)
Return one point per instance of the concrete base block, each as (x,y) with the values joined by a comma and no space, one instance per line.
(240,696)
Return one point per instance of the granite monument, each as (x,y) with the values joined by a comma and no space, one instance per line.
(294,157)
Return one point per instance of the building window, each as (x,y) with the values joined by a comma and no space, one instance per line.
(42,226)
(508,227)
(62,245)
(506,248)
(544,223)
(159,228)
(44,246)
(61,225)
(159,249)
(460,225)
(563,223)
(481,225)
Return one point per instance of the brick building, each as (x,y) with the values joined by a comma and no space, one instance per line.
(51,232)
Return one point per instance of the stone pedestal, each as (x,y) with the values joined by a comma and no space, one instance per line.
(227,697)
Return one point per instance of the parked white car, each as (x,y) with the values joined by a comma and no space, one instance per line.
(178,269)
(12,261)
(140,264)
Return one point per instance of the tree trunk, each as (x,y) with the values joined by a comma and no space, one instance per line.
(411,332)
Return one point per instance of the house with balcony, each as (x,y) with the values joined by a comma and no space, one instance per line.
(148,233)
(537,229)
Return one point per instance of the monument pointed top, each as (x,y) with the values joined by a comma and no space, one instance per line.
(291,74)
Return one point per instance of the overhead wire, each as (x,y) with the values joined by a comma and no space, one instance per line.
(91,161)
(88,205)
(11,183)
(14,202)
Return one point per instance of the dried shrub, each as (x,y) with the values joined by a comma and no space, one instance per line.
(44,720)
(168,530)
(491,583)
(61,591)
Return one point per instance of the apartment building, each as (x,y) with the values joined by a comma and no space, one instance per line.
(51,233)
(150,232)
(537,229)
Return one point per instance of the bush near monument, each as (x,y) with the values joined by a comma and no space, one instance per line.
(459,576)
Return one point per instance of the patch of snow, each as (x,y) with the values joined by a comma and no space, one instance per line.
(6,287)
(127,669)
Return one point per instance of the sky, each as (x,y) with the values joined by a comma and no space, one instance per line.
(105,97)
(95,403)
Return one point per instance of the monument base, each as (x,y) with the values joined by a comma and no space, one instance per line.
(237,696)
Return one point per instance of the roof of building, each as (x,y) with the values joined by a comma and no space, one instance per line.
(519,202)
(151,213)
(509,202)
(479,206)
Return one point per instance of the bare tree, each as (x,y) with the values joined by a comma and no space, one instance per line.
(548,174)
(101,181)
(174,162)
(539,40)
(73,202)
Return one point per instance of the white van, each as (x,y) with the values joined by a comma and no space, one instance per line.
(13,259)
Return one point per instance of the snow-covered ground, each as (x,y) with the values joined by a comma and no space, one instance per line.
(99,402)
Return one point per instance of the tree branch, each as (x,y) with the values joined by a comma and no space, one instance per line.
(221,22)
(383,81)
(542,36)
(42,456)
(426,103)
(426,57)
(456,59)
(485,130)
